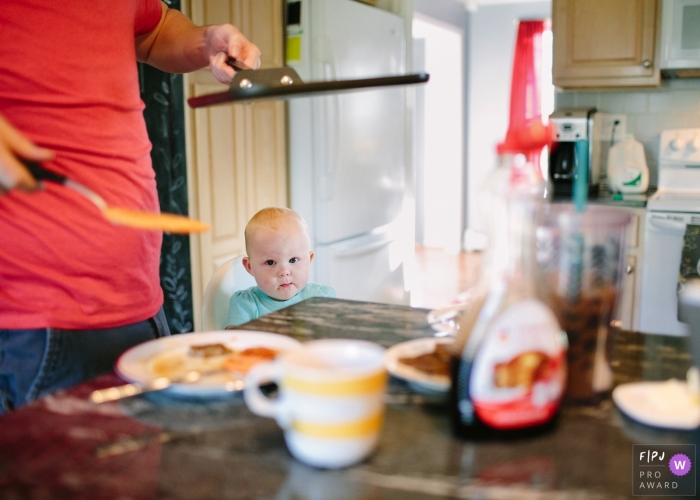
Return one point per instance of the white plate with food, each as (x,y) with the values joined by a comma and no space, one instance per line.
(424,363)
(669,405)
(224,357)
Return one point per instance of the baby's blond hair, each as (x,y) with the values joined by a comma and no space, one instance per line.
(273,218)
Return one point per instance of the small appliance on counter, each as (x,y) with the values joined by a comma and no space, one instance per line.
(576,146)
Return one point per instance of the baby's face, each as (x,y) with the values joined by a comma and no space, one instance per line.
(279,260)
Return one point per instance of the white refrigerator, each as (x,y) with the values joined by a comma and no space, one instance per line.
(350,171)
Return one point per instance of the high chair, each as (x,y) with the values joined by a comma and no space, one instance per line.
(228,279)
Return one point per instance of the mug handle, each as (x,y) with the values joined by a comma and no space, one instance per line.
(256,401)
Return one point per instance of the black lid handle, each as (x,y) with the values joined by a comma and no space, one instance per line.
(42,174)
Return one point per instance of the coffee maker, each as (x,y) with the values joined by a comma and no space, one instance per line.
(576,146)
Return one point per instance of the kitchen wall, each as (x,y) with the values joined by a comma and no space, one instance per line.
(675,105)
(489,38)
(492,31)
(453,15)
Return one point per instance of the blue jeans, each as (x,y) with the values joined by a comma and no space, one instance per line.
(35,363)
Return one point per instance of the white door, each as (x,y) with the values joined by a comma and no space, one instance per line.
(358,138)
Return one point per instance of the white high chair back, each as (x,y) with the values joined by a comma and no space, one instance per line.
(227,280)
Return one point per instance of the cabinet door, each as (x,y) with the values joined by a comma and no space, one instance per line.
(625,308)
(605,43)
(237,158)
(627,316)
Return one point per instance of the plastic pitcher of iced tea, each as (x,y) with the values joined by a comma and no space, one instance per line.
(583,289)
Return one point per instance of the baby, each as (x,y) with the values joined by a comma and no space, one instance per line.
(279,256)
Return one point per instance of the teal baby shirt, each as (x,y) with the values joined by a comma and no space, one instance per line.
(247,305)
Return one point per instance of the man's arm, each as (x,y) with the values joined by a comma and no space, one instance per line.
(177,45)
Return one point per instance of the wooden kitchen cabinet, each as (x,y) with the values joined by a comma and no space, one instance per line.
(236,153)
(605,43)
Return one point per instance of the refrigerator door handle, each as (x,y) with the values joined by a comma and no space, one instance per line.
(355,249)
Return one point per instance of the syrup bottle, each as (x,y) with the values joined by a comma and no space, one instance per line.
(509,366)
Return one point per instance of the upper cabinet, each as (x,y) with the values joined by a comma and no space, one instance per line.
(605,43)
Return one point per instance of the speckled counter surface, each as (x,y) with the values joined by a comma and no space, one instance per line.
(155,446)
(321,318)
(606,197)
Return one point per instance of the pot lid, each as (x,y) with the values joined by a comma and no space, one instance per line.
(284,83)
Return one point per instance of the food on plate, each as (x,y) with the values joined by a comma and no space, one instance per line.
(261,352)
(209,358)
(436,362)
(209,350)
(693,379)
(522,371)
(168,364)
(244,360)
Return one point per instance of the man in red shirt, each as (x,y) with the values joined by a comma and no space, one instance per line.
(75,290)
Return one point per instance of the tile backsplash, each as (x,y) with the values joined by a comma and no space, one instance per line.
(649,111)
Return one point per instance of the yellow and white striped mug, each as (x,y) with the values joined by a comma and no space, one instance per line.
(331,399)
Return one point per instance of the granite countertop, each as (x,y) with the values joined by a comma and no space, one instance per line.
(156,446)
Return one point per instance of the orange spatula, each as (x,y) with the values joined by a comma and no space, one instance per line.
(169,223)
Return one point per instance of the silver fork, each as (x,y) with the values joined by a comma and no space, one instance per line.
(160,383)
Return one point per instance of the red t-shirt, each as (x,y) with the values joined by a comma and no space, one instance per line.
(69,82)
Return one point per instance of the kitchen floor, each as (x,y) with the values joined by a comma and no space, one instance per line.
(440,277)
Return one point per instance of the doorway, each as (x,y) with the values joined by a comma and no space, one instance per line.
(439,131)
